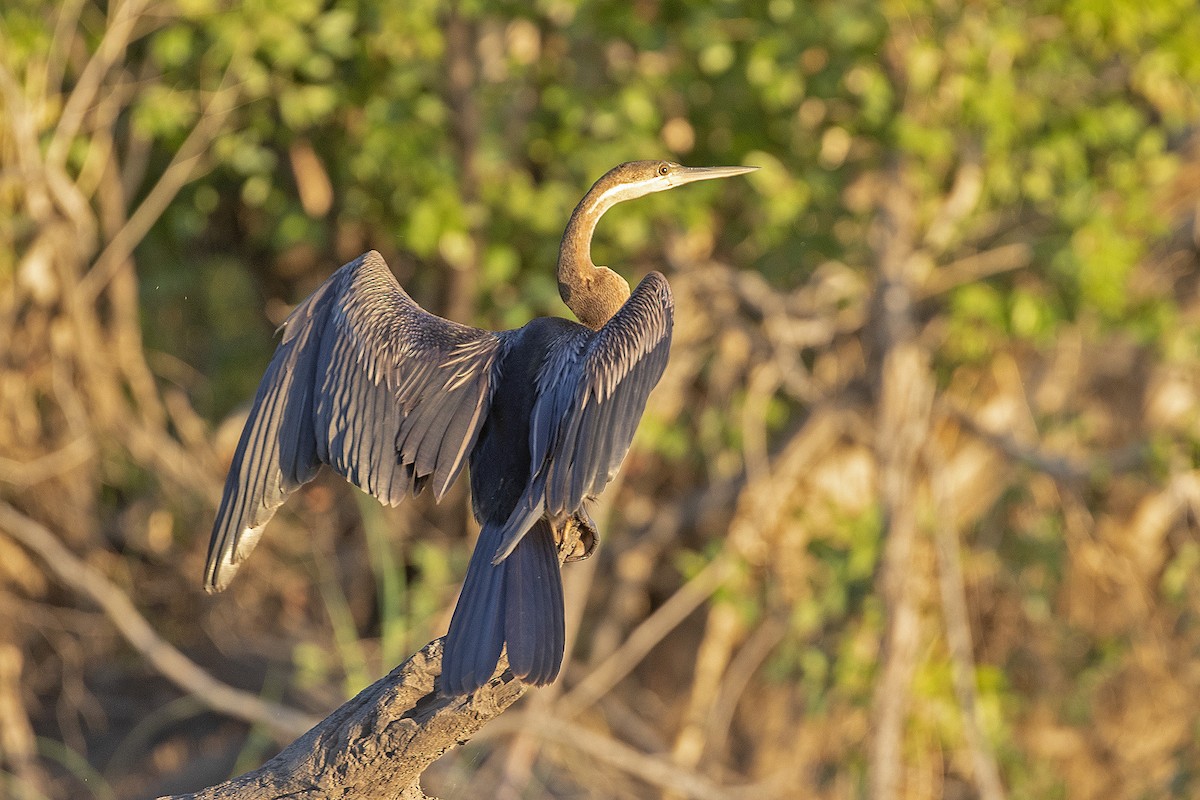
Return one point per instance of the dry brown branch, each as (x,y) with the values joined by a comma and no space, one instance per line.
(168,661)
(21,124)
(758,513)
(379,743)
(706,508)
(904,395)
(722,632)
(188,470)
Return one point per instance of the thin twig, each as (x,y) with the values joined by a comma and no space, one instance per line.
(26,473)
(958,630)
(651,769)
(977,267)
(58,56)
(722,631)
(129,622)
(18,743)
(646,635)
(523,751)
(22,126)
(1057,466)
(958,203)
(116,39)
(177,174)
(758,645)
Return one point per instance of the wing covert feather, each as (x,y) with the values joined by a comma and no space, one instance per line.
(621,365)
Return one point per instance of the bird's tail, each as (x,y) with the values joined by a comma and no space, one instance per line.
(519,602)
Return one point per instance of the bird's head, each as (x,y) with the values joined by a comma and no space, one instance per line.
(595,293)
(638,178)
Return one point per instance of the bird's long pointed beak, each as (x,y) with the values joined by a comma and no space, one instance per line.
(691,174)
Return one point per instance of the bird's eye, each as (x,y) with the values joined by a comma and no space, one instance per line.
(663,169)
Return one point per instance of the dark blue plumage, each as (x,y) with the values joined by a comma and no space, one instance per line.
(357,383)
(394,398)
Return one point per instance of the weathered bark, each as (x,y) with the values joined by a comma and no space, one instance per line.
(378,743)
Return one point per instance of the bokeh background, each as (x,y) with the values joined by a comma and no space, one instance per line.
(913,513)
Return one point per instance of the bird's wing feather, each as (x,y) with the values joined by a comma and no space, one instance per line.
(591,395)
(365,380)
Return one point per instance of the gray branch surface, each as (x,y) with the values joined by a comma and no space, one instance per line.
(379,743)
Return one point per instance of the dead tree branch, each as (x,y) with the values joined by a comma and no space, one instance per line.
(378,743)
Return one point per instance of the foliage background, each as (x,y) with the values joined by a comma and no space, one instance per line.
(912,514)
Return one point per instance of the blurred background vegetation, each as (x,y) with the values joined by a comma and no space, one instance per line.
(912,514)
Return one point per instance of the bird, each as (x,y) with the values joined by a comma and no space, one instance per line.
(396,400)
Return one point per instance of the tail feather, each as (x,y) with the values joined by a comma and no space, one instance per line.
(476,634)
(534,623)
(520,601)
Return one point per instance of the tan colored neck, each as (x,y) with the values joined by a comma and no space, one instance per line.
(593,293)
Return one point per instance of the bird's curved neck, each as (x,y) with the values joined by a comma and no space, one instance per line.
(593,293)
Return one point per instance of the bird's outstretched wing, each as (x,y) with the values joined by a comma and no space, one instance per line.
(591,395)
(366,381)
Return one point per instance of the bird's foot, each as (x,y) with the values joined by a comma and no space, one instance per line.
(577,537)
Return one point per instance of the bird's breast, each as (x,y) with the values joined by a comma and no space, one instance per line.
(500,462)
